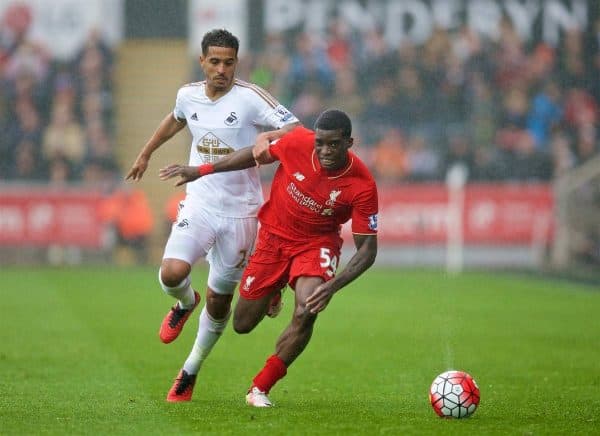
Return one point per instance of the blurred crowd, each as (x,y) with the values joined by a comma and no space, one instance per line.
(505,109)
(58,126)
(56,116)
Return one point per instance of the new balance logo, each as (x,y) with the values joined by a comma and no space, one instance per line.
(183,223)
(194,117)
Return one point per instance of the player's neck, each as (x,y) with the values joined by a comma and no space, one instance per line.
(216,93)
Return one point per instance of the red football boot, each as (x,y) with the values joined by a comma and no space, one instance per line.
(183,388)
(173,323)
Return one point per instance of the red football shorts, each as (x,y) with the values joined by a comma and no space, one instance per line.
(278,261)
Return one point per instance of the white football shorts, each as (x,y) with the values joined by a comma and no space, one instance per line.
(225,242)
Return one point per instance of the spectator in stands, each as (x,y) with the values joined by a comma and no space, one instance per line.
(28,58)
(25,125)
(64,136)
(580,108)
(586,142)
(14,25)
(309,103)
(98,142)
(458,151)
(96,45)
(309,64)
(527,163)
(270,69)
(347,94)
(429,83)
(380,112)
(515,106)
(481,117)
(563,158)
(510,59)
(572,65)
(339,45)
(422,160)
(374,58)
(60,171)
(26,163)
(390,160)
(544,114)
(127,209)
(541,64)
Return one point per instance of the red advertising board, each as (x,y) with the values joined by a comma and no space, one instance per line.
(487,214)
(30,216)
(409,214)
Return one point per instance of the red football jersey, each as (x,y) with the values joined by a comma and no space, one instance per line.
(307,200)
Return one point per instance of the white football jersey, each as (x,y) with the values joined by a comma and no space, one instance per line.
(220,127)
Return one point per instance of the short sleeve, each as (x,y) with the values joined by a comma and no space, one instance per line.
(278,117)
(270,112)
(178,112)
(279,146)
(364,211)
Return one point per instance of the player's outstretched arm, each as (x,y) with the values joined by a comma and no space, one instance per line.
(168,127)
(366,251)
(238,160)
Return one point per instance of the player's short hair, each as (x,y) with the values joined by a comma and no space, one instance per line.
(219,38)
(334,119)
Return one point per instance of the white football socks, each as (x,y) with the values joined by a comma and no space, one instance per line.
(209,332)
(183,292)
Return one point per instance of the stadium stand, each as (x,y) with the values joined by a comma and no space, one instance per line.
(508,110)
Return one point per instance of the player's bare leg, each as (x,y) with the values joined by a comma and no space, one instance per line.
(248,313)
(297,334)
(289,346)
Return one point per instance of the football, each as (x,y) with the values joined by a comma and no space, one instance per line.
(454,394)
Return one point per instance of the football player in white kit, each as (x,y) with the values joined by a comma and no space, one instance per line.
(218,218)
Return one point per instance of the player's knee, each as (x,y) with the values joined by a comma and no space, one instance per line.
(218,305)
(170,278)
(173,273)
(242,326)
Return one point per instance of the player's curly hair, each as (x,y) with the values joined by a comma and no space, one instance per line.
(219,38)
(334,119)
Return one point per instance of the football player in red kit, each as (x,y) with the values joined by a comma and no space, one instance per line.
(318,186)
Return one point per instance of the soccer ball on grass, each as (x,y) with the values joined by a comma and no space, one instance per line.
(454,394)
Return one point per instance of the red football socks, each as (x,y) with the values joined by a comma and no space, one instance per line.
(273,371)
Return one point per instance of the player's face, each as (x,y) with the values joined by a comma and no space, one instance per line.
(219,68)
(332,148)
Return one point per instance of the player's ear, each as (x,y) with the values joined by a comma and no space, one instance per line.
(350,142)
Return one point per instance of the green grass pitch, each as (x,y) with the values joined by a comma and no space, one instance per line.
(80,354)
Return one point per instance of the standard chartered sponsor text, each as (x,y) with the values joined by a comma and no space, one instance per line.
(302,199)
